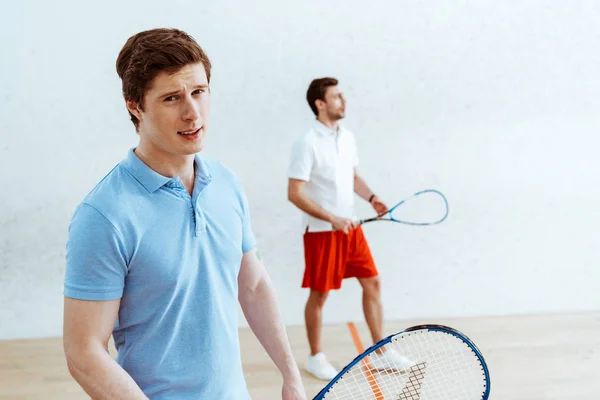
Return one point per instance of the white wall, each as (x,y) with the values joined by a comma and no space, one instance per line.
(494,103)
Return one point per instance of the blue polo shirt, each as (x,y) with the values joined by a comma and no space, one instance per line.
(173,260)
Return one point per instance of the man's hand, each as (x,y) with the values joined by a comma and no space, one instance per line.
(343,224)
(293,391)
(378,206)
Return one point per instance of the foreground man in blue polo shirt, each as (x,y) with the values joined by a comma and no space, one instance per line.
(161,250)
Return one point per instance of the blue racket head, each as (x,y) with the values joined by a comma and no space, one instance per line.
(445,365)
(427,207)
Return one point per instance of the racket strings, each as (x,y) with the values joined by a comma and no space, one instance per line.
(454,371)
(412,390)
(446,369)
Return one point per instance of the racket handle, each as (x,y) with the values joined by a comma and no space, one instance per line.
(363,221)
(359,222)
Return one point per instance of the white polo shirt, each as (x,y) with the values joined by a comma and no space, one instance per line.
(326,160)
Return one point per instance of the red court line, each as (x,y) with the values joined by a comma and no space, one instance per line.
(366,367)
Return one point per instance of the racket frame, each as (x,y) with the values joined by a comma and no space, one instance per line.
(428,327)
(392,219)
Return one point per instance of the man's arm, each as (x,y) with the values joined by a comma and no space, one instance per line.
(297,196)
(261,308)
(87,329)
(362,189)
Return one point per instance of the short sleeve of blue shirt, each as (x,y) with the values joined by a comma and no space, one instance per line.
(96,257)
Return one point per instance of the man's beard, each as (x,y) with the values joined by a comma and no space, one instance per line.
(336,116)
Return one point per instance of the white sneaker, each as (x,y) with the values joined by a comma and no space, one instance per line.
(390,360)
(319,367)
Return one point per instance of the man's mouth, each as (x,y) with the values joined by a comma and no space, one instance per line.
(190,132)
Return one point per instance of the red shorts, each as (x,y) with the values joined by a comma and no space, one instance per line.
(331,256)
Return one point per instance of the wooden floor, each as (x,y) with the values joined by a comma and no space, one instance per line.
(548,357)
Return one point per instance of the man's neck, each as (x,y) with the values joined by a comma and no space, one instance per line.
(330,123)
(169,165)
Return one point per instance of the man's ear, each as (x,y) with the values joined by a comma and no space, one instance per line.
(134,109)
(320,104)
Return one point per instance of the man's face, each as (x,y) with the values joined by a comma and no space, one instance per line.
(176,111)
(334,103)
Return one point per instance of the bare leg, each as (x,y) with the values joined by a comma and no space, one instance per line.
(312,316)
(371,301)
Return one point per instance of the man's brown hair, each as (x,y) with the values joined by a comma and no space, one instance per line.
(147,53)
(316,91)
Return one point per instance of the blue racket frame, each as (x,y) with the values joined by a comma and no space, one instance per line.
(392,219)
(440,328)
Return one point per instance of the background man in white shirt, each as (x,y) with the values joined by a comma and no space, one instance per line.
(322,182)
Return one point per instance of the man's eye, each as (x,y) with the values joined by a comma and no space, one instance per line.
(171,98)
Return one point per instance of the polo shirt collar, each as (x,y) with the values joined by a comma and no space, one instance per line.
(325,130)
(152,180)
